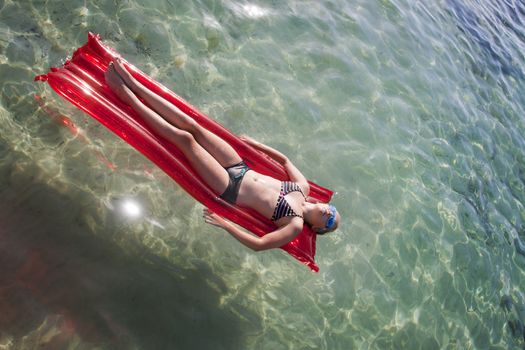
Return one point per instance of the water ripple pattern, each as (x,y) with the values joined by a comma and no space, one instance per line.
(412,111)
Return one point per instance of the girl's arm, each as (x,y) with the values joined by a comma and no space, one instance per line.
(274,239)
(294,173)
(273,153)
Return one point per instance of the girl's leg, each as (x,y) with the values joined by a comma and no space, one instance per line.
(203,162)
(218,148)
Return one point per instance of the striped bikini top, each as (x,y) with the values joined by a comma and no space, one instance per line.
(282,208)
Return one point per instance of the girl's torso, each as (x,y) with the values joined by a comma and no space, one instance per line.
(261,192)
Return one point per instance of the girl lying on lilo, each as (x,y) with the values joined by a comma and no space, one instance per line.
(219,165)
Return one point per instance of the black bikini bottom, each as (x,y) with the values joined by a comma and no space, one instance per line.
(236,173)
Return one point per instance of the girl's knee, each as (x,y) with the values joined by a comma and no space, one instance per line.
(190,125)
(180,137)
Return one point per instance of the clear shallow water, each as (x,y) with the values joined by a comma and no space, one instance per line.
(412,112)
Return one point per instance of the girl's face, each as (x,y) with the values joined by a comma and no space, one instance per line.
(325,218)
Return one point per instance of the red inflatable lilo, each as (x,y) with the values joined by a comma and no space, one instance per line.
(81,81)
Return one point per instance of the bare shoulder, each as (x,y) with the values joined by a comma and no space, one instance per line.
(294,226)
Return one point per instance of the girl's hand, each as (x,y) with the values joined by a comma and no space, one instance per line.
(213,219)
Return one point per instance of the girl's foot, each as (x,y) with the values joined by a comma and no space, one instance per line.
(117,85)
(123,73)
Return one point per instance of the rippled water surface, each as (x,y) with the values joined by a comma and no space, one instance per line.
(411,111)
